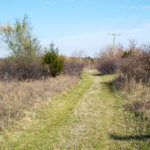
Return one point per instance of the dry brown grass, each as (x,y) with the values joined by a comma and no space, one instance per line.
(18,99)
(137,109)
(138,95)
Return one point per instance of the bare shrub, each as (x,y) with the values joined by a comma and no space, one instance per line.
(106,66)
(22,68)
(108,61)
(73,66)
(17,98)
(136,66)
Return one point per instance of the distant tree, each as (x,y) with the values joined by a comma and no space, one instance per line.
(132,45)
(19,38)
(54,62)
(79,54)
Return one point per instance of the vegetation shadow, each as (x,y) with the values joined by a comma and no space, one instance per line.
(108,85)
(98,74)
(128,138)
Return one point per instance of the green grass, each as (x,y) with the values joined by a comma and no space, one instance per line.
(87,117)
(45,126)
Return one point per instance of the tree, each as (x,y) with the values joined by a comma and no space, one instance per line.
(54,62)
(19,38)
(79,54)
(132,45)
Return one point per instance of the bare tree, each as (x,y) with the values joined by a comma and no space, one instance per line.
(132,44)
(79,54)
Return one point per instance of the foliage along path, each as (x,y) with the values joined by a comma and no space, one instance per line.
(86,117)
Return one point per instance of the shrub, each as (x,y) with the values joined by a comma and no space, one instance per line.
(126,54)
(54,62)
(106,66)
(21,68)
(108,61)
(136,66)
(73,66)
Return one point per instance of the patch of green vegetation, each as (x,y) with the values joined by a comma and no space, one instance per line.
(44,128)
(89,116)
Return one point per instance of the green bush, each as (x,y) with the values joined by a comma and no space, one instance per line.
(53,61)
(126,54)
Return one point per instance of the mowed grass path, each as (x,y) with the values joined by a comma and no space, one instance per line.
(82,118)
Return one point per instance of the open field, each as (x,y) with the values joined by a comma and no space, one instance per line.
(74,75)
(19,99)
(87,117)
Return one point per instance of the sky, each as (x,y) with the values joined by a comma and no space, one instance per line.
(75,25)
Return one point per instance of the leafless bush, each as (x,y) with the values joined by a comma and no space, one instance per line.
(18,99)
(136,66)
(21,69)
(106,66)
(73,66)
(108,61)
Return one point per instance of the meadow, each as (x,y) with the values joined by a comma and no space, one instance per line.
(51,101)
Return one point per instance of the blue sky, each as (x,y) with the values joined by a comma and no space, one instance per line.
(81,24)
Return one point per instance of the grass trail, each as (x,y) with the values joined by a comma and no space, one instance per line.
(84,118)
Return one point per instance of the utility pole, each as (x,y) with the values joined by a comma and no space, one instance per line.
(114,40)
(89,64)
